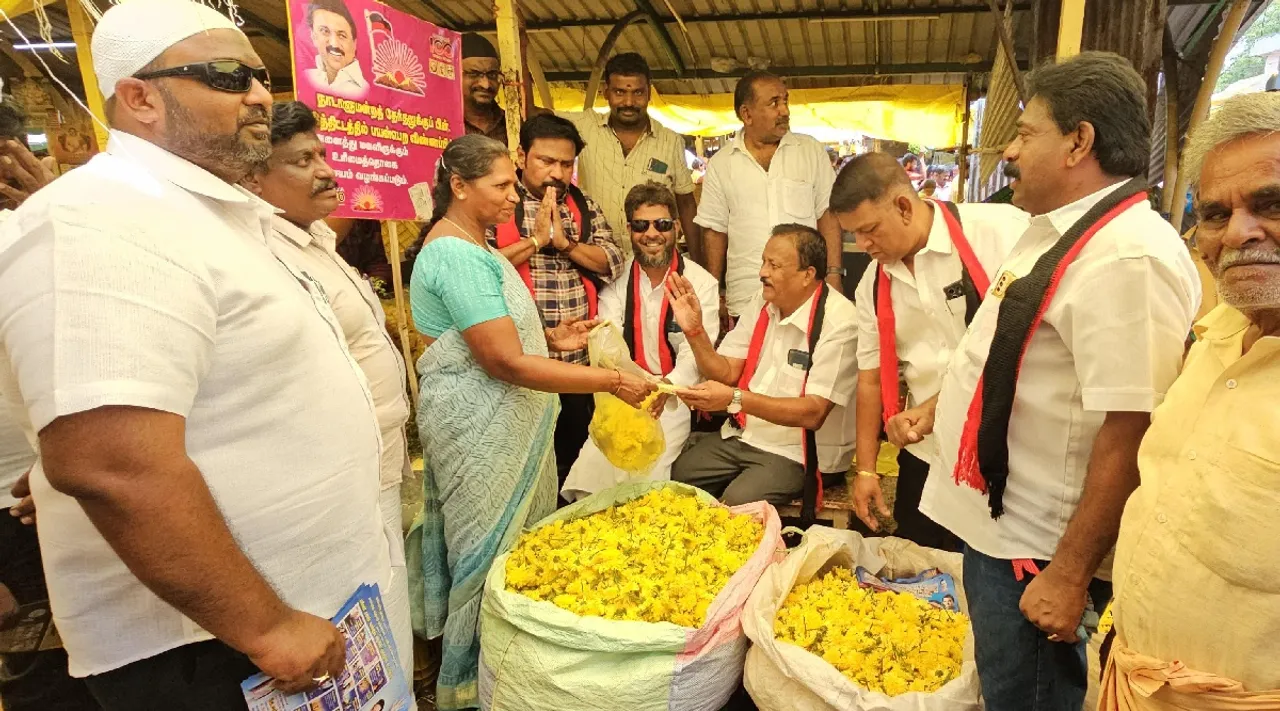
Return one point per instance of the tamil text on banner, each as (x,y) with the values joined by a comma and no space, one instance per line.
(385,86)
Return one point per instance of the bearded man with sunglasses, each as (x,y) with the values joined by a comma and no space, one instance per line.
(207,482)
(639,304)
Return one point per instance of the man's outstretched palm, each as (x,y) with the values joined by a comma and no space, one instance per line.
(684,304)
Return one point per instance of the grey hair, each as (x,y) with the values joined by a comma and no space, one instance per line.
(1239,117)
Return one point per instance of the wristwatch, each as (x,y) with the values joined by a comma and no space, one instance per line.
(735,405)
(834,271)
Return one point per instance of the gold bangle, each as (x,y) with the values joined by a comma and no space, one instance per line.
(617,384)
(536,246)
(868,474)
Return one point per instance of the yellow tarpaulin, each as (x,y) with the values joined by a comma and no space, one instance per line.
(925,114)
(13,8)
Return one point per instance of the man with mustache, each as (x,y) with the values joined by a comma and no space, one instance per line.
(626,147)
(1050,390)
(1197,571)
(786,375)
(208,451)
(297,180)
(639,304)
(333,35)
(481,78)
(562,245)
(766,176)
(934,262)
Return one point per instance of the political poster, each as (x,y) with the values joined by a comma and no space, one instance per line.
(385,88)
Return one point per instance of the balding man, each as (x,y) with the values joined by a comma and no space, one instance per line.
(786,375)
(208,476)
(935,262)
(1197,574)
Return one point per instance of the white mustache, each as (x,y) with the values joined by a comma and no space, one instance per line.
(1236,257)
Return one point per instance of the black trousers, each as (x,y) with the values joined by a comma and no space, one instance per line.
(571,430)
(204,676)
(913,525)
(36,681)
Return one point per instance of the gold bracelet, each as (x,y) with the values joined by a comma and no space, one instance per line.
(868,474)
(617,385)
(536,246)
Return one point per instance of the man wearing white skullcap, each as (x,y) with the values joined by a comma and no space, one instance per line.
(207,485)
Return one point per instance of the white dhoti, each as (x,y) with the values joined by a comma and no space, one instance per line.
(396,597)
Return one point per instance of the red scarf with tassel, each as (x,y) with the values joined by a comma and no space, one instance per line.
(983,459)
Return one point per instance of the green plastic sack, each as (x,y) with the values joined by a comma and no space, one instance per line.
(535,656)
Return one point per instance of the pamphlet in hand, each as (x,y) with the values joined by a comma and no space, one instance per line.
(372,679)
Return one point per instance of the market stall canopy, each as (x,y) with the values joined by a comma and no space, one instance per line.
(928,115)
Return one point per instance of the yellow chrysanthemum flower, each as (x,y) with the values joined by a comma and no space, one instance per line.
(660,558)
(889,642)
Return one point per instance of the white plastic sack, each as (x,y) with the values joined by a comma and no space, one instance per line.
(535,656)
(784,677)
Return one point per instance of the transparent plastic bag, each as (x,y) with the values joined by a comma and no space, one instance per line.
(631,439)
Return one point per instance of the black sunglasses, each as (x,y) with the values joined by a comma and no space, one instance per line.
(228,75)
(641,226)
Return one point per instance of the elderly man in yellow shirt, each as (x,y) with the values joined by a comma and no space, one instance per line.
(1197,576)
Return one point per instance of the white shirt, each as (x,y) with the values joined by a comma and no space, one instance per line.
(928,325)
(349,82)
(16,453)
(745,202)
(142,280)
(1111,340)
(613,307)
(833,376)
(363,323)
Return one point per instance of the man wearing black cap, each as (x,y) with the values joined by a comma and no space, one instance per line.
(481,78)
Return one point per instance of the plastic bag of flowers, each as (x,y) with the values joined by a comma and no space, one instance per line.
(819,642)
(628,599)
(630,438)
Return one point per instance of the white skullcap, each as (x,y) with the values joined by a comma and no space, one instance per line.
(132,34)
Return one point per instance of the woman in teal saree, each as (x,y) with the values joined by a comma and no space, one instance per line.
(487,410)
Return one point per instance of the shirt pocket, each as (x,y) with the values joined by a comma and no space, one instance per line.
(1231,503)
(789,381)
(797,199)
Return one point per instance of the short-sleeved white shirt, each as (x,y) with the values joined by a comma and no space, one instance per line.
(606,175)
(928,324)
(363,322)
(833,376)
(746,202)
(142,280)
(1112,340)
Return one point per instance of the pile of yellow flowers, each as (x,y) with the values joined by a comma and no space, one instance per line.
(888,642)
(628,437)
(660,558)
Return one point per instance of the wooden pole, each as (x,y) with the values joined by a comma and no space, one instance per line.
(1171,134)
(963,177)
(540,81)
(1003,28)
(1200,110)
(391,241)
(1070,28)
(82,32)
(507,16)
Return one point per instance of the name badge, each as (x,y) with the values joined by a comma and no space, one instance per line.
(657,166)
(954,291)
(800,359)
(1002,284)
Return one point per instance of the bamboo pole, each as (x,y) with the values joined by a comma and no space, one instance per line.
(1070,28)
(1003,28)
(507,15)
(1200,110)
(963,177)
(82,32)
(391,241)
(1171,135)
